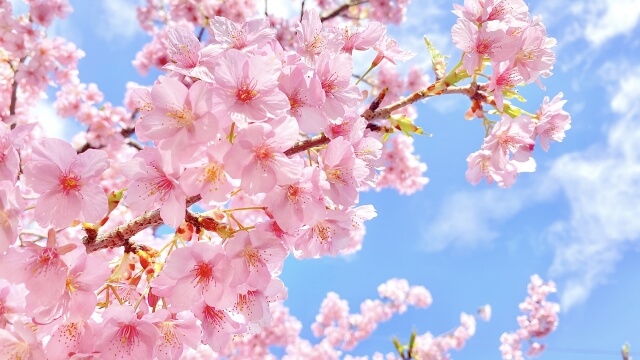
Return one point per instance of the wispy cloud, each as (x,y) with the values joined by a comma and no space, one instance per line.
(602,186)
(118,20)
(471,219)
(51,124)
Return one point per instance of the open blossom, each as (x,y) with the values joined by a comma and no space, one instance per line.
(503,78)
(217,326)
(124,336)
(511,135)
(176,330)
(251,35)
(534,55)
(21,343)
(40,269)
(85,275)
(552,121)
(257,157)
(334,73)
(248,86)
(313,39)
(206,176)
(179,116)
(482,164)
(491,40)
(11,206)
(344,172)
(155,179)
(185,55)
(299,203)
(252,256)
(67,183)
(68,338)
(388,48)
(327,236)
(199,271)
(361,39)
(305,96)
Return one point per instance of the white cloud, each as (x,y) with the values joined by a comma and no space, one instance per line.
(118,20)
(602,186)
(52,125)
(620,17)
(468,219)
(595,21)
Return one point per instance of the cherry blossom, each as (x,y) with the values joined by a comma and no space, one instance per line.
(66,183)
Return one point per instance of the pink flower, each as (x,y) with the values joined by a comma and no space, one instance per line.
(299,203)
(248,36)
(503,77)
(552,122)
(199,271)
(252,256)
(183,48)
(206,175)
(305,96)
(248,86)
(388,48)
(511,135)
(66,182)
(155,179)
(327,236)
(124,336)
(257,157)
(77,302)
(362,40)
(334,73)
(534,55)
(490,40)
(313,40)
(481,165)
(10,142)
(176,330)
(21,343)
(344,171)
(11,207)
(71,338)
(179,116)
(41,269)
(217,326)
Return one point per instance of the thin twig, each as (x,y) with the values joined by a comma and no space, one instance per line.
(340,9)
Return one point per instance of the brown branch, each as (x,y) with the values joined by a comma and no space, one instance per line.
(340,9)
(437,88)
(302,10)
(120,236)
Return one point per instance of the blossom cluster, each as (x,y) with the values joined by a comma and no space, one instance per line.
(257,124)
(503,34)
(539,320)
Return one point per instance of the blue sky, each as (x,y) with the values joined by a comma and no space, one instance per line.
(575,220)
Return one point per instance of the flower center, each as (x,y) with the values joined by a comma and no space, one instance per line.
(246,93)
(69,183)
(203,273)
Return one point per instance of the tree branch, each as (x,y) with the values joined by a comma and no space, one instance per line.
(340,9)
(120,236)
(434,89)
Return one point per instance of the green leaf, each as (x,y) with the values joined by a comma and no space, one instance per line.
(438,61)
(406,125)
(398,346)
